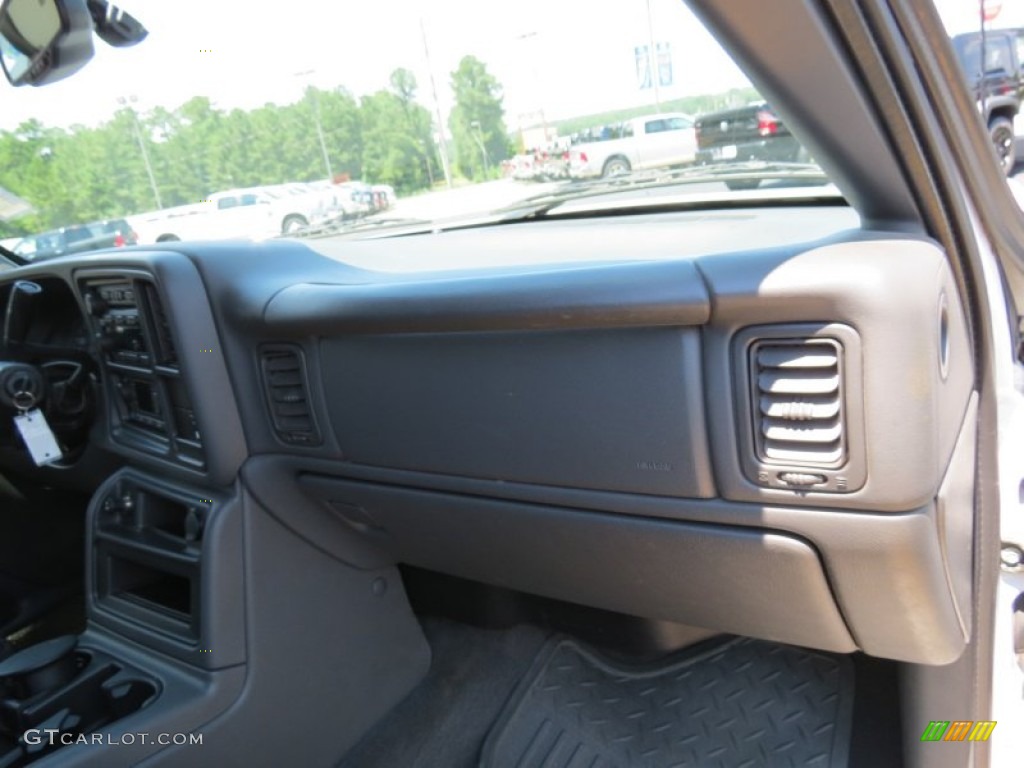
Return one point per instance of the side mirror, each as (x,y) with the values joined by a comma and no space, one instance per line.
(42,41)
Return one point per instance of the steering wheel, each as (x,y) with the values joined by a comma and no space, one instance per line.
(62,389)
(22,386)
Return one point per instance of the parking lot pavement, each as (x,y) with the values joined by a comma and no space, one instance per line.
(1016,184)
(469,199)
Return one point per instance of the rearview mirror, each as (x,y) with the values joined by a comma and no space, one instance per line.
(42,41)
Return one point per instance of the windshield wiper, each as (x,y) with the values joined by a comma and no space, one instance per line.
(539,205)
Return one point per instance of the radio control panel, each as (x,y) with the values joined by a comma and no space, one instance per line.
(150,405)
(120,326)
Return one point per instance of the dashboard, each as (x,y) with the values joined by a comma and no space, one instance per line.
(621,431)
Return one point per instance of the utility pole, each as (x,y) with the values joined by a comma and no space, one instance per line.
(653,57)
(442,141)
(129,102)
(319,125)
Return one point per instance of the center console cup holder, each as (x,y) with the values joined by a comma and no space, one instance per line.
(39,668)
(58,685)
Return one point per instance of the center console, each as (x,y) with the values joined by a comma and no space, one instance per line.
(166,622)
(152,572)
(58,688)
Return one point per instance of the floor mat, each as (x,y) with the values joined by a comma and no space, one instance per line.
(741,704)
(443,723)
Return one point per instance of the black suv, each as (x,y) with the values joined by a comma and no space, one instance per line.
(111,233)
(1000,88)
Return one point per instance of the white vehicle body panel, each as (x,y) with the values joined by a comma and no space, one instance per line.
(255,213)
(657,141)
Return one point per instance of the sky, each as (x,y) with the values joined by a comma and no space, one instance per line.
(559,58)
(562,57)
(964,15)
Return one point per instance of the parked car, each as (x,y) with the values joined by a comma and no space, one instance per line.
(553,164)
(540,165)
(80,238)
(744,134)
(384,196)
(319,202)
(998,87)
(654,141)
(252,212)
(361,195)
(337,202)
(522,167)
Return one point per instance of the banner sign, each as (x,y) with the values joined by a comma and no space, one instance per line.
(648,67)
(664,64)
(643,67)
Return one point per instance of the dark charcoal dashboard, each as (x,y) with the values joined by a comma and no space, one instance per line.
(770,441)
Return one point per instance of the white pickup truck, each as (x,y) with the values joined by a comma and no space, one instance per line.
(255,213)
(652,141)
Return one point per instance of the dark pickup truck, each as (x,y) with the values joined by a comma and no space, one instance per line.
(745,134)
(112,233)
(998,90)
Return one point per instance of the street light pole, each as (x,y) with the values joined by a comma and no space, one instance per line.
(319,126)
(129,102)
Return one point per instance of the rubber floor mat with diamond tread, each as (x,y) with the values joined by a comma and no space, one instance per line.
(742,704)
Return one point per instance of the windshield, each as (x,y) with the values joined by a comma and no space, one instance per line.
(331,117)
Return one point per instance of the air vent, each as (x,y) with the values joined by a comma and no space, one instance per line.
(798,409)
(284,378)
(165,351)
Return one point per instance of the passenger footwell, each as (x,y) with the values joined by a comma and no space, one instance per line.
(741,704)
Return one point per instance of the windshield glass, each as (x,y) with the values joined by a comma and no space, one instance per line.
(330,116)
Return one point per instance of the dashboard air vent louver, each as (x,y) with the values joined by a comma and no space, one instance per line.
(166,354)
(798,401)
(284,379)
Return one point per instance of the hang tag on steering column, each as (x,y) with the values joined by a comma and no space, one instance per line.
(38,437)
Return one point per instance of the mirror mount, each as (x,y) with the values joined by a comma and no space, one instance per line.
(114,26)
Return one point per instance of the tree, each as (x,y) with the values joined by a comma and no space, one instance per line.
(403,83)
(339,115)
(418,121)
(477,121)
(85,173)
(392,151)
